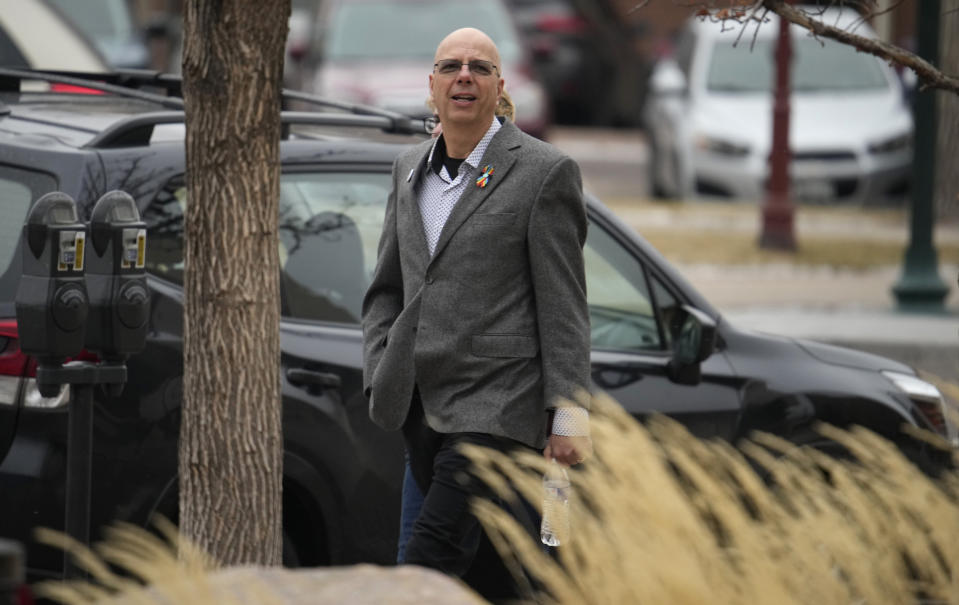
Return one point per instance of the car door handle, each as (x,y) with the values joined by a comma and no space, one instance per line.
(301,376)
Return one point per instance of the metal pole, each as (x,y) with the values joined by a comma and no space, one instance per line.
(920,288)
(778,210)
(79,463)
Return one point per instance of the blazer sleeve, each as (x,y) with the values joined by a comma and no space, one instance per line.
(557,233)
(384,298)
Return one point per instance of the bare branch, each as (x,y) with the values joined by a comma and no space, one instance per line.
(637,7)
(930,76)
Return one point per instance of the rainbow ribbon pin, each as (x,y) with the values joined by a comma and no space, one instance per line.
(484,178)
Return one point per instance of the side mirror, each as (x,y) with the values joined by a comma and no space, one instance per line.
(694,340)
(667,79)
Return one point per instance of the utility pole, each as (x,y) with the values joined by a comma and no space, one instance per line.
(778,210)
(920,288)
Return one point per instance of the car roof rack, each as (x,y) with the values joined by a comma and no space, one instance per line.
(137,130)
(114,83)
(131,131)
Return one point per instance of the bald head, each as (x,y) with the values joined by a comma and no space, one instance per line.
(471,39)
(465,96)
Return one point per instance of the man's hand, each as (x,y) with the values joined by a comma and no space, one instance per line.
(568,450)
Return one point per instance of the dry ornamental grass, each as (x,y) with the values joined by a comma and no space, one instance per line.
(658,516)
(662,517)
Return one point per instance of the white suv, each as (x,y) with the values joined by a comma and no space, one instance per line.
(709,115)
(33,35)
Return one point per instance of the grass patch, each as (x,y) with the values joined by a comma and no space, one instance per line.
(714,247)
(728,233)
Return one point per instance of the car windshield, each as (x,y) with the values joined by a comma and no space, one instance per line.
(819,66)
(109,19)
(385,29)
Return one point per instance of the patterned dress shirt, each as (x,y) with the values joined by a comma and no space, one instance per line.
(437,196)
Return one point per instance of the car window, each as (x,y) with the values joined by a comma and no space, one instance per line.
(18,190)
(743,69)
(621,312)
(105,18)
(10,55)
(369,30)
(329,228)
(330,225)
(667,309)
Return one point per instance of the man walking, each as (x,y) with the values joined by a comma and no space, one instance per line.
(475,324)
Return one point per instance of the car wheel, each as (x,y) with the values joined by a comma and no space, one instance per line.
(655,187)
(655,168)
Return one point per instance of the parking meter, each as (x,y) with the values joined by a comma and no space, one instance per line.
(52,299)
(116,278)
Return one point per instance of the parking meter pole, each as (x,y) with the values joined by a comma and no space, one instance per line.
(79,464)
(920,287)
(83,376)
(778,211)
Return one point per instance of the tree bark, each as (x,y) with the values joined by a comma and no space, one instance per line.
(947,177)
(231,442)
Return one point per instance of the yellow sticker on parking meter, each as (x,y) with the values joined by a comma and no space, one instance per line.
(141,248)
(130,253)
(79,242)
(67,255)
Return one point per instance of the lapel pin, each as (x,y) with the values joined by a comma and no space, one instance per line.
(409,177)
(484,178)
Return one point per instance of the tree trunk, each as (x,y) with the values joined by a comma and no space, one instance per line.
(230,436)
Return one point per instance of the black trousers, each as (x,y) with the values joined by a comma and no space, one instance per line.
(446,536)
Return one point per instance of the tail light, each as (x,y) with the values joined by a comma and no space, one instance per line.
(69,88)
(561,24)
(14,364)
(17,369)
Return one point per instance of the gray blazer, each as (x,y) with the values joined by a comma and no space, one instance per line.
(494,329)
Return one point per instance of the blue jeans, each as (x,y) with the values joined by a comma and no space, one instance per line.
(412,503)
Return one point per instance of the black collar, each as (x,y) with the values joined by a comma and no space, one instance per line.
(441,158)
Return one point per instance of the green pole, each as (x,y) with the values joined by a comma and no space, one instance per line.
(920,288)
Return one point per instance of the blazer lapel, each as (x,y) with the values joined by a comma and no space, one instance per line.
(410,219)
(500,156)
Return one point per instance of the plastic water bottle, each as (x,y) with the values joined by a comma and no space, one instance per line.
(554,529)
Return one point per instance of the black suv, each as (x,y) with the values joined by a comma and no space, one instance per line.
(341,473)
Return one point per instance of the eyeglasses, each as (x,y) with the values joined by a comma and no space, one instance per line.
(477,67)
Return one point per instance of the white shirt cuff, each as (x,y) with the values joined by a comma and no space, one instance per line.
(571,422)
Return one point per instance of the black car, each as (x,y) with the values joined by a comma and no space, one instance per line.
(567,58)
(658,346)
